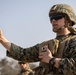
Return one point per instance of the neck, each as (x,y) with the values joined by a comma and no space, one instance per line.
(64,31)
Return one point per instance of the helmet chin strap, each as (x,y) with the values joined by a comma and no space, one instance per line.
(64,26)
(61,28)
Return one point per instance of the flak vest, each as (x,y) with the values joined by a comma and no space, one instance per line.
(56,47)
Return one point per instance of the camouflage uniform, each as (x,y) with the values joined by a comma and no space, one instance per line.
(63,47)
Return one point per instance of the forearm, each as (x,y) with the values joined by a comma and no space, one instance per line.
(23,54)
(5,43)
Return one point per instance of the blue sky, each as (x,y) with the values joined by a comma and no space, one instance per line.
(26,22)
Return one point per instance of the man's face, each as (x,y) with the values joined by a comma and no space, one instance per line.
(23,66)
(57,21)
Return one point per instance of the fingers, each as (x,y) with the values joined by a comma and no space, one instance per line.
(41,55)
(45,56)
(1,33)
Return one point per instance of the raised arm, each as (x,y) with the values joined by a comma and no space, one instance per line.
(4,41)
(17,52)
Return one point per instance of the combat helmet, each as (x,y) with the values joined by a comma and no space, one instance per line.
(23,62)
(65,9)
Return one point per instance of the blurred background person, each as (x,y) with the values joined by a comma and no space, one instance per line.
(25,68)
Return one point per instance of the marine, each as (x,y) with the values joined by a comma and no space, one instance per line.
(25,68)
(57,56)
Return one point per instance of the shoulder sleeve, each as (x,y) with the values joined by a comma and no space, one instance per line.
(24,54)
(29,54)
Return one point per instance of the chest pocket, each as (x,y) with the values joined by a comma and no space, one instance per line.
(57,48)
(63,45)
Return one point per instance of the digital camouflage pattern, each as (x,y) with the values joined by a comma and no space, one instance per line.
(64,47)
(64,8)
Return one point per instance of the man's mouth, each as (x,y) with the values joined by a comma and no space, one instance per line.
(55,25)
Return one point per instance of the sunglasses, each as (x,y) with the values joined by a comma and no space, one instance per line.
(21,63)
(56,17)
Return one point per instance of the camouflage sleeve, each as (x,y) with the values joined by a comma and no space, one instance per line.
(67,65)
(30,54)
(24,54)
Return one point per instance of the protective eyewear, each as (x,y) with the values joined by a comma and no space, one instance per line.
(56,17)
(21,63)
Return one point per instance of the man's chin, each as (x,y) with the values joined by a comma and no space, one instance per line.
(55,30)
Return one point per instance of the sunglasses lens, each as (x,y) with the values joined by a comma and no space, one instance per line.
(21,63)
(56,17)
